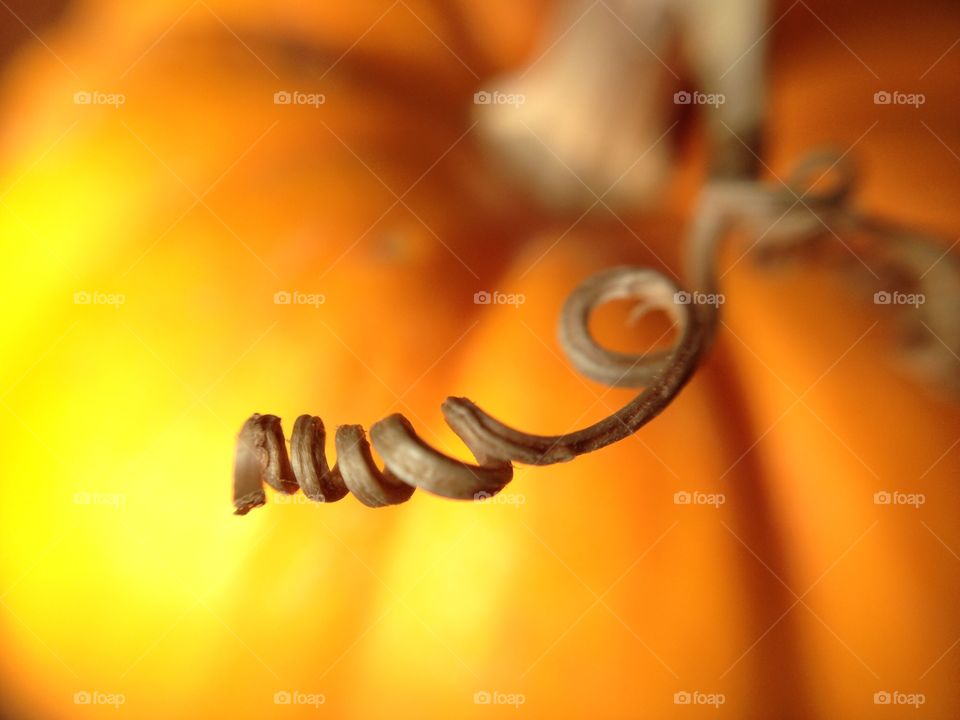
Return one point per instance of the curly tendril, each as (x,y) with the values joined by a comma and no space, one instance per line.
(813,202)
(410,463)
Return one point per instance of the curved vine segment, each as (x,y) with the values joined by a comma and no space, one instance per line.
(814,202)
(410,463)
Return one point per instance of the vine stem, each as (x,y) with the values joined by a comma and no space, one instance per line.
(812,202)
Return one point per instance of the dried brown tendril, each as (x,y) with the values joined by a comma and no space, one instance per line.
(410,463)
(815,204)
(790,215)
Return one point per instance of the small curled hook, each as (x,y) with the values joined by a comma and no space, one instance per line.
(818,166)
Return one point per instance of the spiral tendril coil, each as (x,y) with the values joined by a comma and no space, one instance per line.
(410,463)
(793,214)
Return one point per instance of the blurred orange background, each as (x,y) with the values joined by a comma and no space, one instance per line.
(127,588)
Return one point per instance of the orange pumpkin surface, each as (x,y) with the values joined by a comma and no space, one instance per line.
(587,591)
